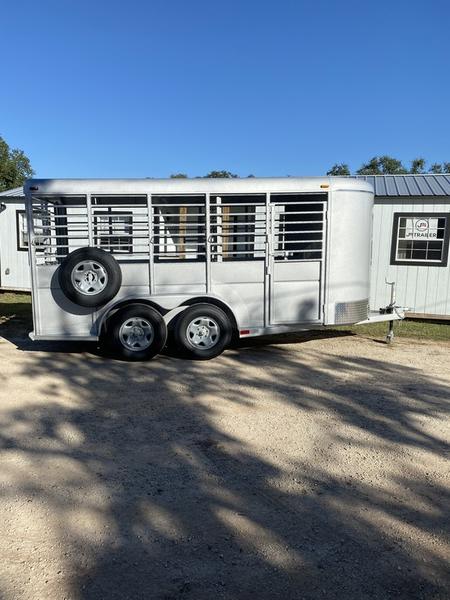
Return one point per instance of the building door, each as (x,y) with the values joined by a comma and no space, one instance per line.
(296,258)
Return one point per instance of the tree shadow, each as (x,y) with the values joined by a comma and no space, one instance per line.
(160,486)
(297,337)
(15,320)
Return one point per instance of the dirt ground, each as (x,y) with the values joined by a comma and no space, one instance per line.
(317,469)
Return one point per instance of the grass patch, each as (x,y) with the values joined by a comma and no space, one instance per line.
(408,328)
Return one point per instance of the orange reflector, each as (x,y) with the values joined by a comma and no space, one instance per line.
(324,185)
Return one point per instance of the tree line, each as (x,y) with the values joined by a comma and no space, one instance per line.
(387,165)
(15,167)
(211,174)
(378,165)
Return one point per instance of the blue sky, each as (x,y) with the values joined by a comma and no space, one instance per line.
(136,88)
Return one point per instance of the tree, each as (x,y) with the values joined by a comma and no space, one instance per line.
(339,169)
(15,167)
(221,174)
(382,165)
(418,166)
(440,168)
(178,176)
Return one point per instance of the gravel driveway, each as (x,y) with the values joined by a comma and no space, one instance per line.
(295,471)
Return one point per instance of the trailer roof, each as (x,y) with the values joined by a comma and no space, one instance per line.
(408,185)
(195,186)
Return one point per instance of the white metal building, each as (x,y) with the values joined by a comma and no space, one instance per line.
(14,266)
(411,229)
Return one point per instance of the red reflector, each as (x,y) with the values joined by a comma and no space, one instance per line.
(244,331)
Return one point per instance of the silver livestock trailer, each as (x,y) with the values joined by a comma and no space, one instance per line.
(128,261)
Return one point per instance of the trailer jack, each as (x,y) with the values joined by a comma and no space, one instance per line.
(390,313)
(391,308)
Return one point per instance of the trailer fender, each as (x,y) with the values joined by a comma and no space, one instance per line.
(216,302)
(100,323)
(167,314)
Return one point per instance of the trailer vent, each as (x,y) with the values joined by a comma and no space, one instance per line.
(351,312)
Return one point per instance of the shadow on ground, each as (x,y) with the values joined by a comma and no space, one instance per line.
(160,501)
(15,319)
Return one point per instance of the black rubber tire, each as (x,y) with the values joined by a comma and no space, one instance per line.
(180,335)
(107,261)
(111,337)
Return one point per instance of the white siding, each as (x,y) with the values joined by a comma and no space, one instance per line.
(422,289)
(14,268)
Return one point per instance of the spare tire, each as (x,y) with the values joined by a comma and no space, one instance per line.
(90,277)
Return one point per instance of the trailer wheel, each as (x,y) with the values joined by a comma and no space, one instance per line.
(90,277)
(136,332)
(202,331)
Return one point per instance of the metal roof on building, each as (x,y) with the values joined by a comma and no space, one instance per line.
(14,193)
(409,185)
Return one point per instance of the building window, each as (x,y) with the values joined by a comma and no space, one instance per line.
(22,231)
(420,239)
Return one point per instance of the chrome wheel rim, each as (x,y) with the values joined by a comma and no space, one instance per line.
(89,277)
(203,333)
(136,334)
